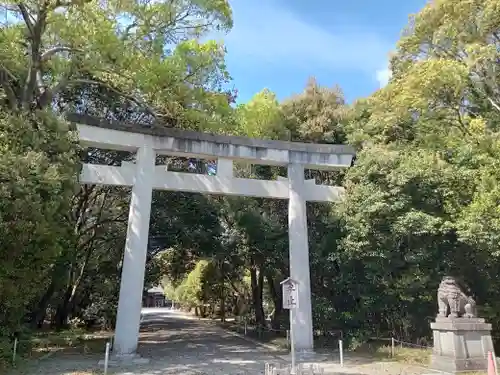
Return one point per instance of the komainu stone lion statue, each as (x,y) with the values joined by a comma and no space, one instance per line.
(453,302)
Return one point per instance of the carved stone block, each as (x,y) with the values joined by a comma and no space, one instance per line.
(461,344)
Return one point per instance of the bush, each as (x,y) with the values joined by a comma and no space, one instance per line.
(38,172)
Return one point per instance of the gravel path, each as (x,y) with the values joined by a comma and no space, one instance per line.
(182,345)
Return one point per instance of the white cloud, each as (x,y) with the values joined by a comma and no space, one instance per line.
(383,76)
(267,34)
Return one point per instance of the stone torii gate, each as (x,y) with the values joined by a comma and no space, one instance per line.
(144,176)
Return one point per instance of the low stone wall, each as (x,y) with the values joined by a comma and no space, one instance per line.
(301,369)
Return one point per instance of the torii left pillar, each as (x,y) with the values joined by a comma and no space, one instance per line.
(134,258)
(301,317)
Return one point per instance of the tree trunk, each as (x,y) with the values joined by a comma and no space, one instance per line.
(222,295)
(63,310)
(275,292)
(58,274)
(223,307)
(37,316)
(257,280)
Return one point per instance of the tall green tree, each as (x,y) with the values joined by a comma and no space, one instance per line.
(316,114)
(38,174)
(261,117)
(426,143)
(130,61)
(149,52)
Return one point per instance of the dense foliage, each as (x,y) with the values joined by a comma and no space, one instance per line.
(422,197)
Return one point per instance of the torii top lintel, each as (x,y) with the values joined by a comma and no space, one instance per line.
(95,132)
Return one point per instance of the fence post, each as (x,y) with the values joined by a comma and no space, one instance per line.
(341,353)
(106,359)
(393,347)
(495,362)
(245,327)
(14,352)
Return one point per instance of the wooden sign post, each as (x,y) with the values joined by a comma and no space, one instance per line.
(290,289)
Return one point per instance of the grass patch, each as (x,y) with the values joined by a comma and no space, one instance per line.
(278,338)
(70,341)
(38,345)
(265,336)
(411,356)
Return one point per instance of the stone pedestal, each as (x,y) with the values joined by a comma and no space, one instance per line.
(309,357)
(124,360)
(461,344)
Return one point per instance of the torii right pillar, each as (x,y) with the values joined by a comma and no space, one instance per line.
(301,317)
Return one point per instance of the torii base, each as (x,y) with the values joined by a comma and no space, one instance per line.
(124,359)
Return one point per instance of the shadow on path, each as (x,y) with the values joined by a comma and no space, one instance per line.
(182,345)
(175,344)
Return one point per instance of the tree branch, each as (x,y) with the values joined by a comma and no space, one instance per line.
(51,52)
(34,75)
(494,104)
(5,78)
(482,88)
(48,95)
(233,286)
(100,223)
(26,17)
(84,200)
(462,126)
(127,30)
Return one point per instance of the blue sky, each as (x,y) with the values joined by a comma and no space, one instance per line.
(278,44)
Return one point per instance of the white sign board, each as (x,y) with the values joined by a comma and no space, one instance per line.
(290,290)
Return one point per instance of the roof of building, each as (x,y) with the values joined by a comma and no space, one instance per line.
(156,289)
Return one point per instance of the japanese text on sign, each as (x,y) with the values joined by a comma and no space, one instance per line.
(290,295)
